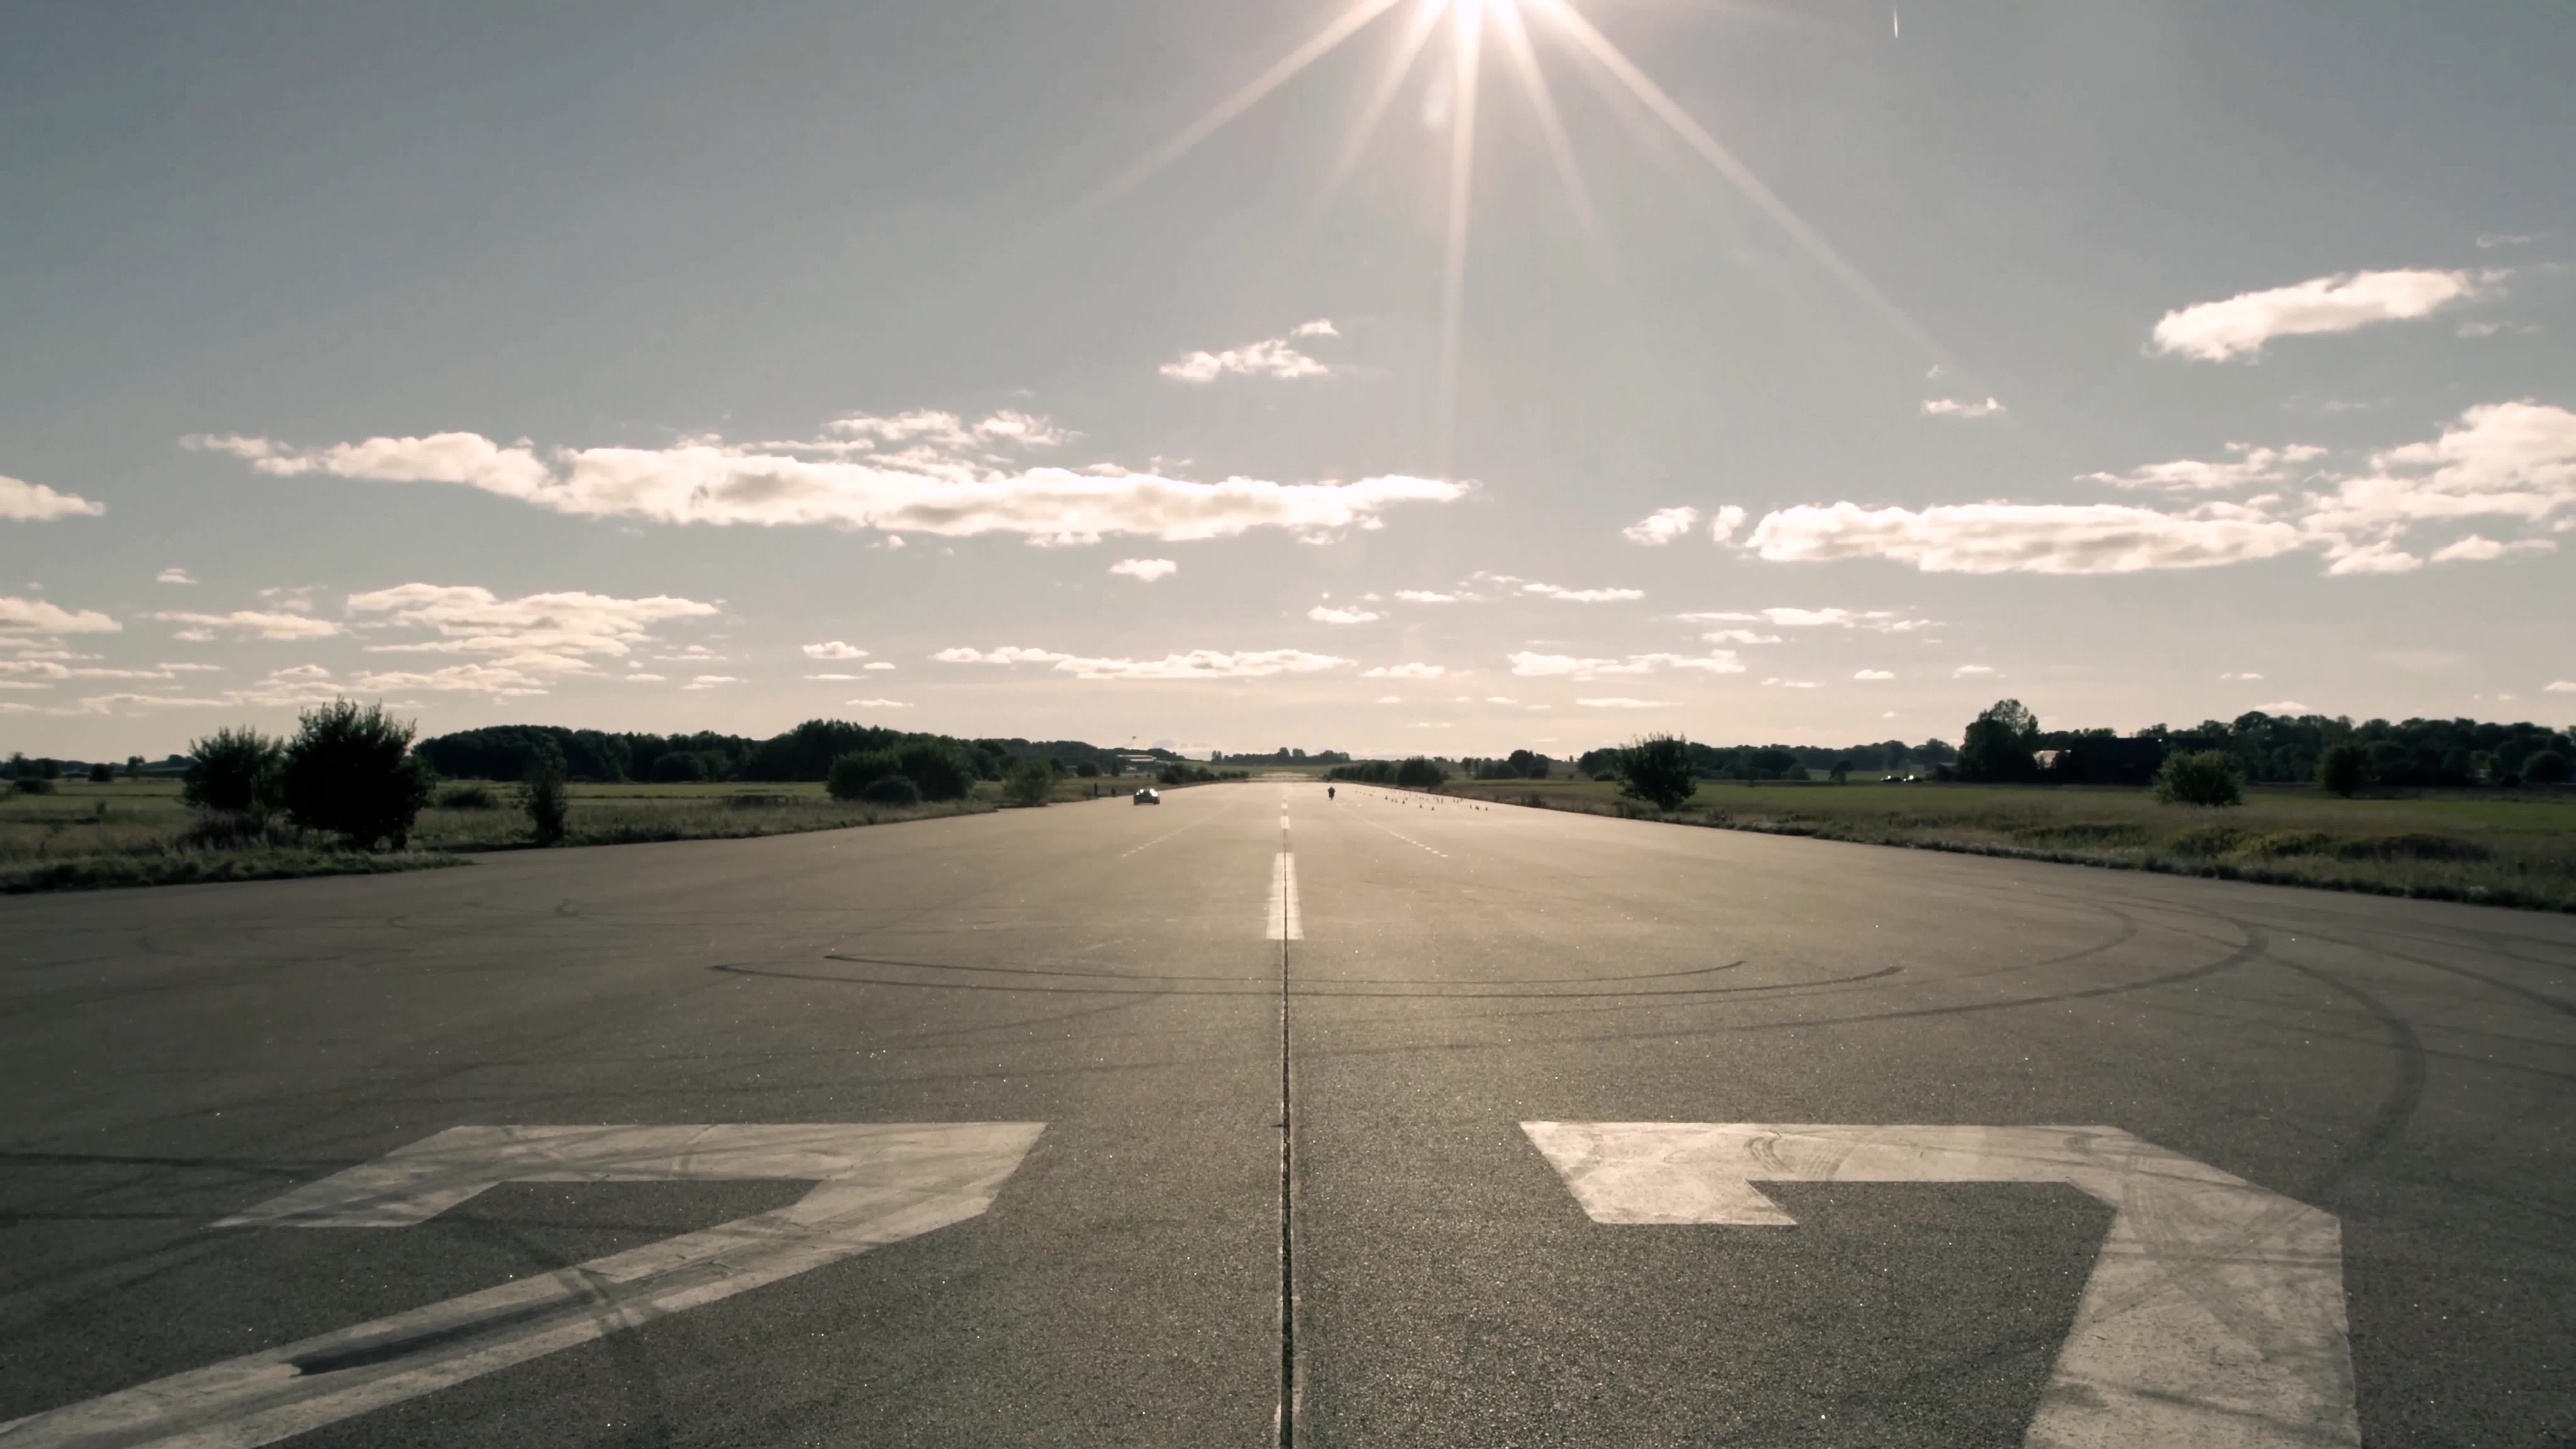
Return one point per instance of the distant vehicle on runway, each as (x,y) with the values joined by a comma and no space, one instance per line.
(1147,796)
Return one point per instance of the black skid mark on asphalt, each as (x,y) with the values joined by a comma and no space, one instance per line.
(2405,1089)
(2540,999)
(1260,987)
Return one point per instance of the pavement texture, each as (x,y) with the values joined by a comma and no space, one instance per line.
(170,1058)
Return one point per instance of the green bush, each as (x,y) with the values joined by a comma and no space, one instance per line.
(2205,778)
(2342,769)
(678,768)
(939,767)
(236,772)
(34,785)
(350,771)
(542,796)
(2548,767)
(1029,784)
(891,790)
(468,797)
(102,773)
(852,774)
(1419,773)
(1657,770)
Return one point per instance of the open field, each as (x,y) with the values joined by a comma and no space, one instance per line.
(136,832)
(2499,848)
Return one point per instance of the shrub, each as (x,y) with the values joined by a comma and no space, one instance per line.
(1419,773)
(677,769)
(1029,783)
(1657,770)
(1087,770)
(542,796)
(938,767)
(2342,769)
(350,771)
(2548,767)
(2206,778)
(852,774)
(468,797)
(102,773)
(236,771)
(891,790)
(34,785)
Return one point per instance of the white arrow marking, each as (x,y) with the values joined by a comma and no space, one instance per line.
(2214,1316)
(875,1184)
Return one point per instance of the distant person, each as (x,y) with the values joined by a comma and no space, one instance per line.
(1328,792)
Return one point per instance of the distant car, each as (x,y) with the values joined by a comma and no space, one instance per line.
(1147,796)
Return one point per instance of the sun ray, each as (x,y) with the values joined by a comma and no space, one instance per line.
(1417,33)
(1670,112)
(1516,43)
(1343,26)
(1470,20)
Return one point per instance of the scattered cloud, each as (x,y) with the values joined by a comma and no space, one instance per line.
(1145,570)
(1405,671)
(1272,357)
(2241,675)
(500,680)
(2477,548)
(879,664)
(174,576)
(1794,683)
(2511,460)
(249,624)
(2284,706)
(1583,596)
(2491,240)
(1530,665)
(2559,686)
(1327,614)
(1872,674)
(942,477)
(1197,664)
(1884,621)
(1661,526)
(875,704)
(553,630)
(36,616)
(2242,324)
(1952,407)
(2251,467)
(1721,529)
(834,678)
(1390,699)
(1425,596)
(24,502)
(1621,702)
(710,681)
(2044,538)
(1738,636)
(1974,671)
(834,649)
(1500,699)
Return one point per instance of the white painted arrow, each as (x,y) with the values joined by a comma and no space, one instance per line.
(2214,1316)
(875,1184)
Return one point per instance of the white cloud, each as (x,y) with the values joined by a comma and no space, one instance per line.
(880,664)
(1272,357)
(1405,671)
(1872,674)
(2487,240)
(501,680)
(2477,548)
(642,678)
(833,650)
(2240,325)
(1326,614)
(24,502)
(875,704)
(250,624)
(710,681)
(1197,664)
(2559,686)
(2241,675)
(2382,557)
(174,576)
(835,678)
(1990,538)
(547,631)
(1973,671)
(1530,665)
(1661,526)
(1583,596)
(36,616)
(1619,702)
(1390,699)
(2283,706)
(1793,683)
(1500,699)
(1145,570)
(2251,467)
(2501,460)
(943,480)
(1952,407)
(1424,596)
(1884,621)
(1738,636)
(1722,528)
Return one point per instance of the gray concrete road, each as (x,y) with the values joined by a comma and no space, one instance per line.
(2313,1178)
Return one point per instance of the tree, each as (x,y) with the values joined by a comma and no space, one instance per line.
(2548,767)
(350,771)
(1841,771)
(938,766)
(1657,769)
(134,767)
(1419,773)
(236,771)
(1029,784)
(2205,777)
(2343,768)
(102,773)
(1999,742)
(542,796)
(891,790)
(853,773)
(1090,770)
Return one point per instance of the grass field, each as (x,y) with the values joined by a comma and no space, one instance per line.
(135,832)
(2512,848)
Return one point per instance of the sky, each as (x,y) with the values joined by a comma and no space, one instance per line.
(1405,376)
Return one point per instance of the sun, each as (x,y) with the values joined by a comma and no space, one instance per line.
(1472,28)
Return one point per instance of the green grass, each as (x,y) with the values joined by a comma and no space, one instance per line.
(2511,848)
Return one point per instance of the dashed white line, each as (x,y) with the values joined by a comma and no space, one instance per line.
(1409,840)
(1284,922)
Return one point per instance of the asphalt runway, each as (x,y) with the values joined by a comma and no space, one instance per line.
(970,1132)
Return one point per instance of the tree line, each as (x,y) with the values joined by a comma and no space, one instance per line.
(2005,743)
(805,753)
